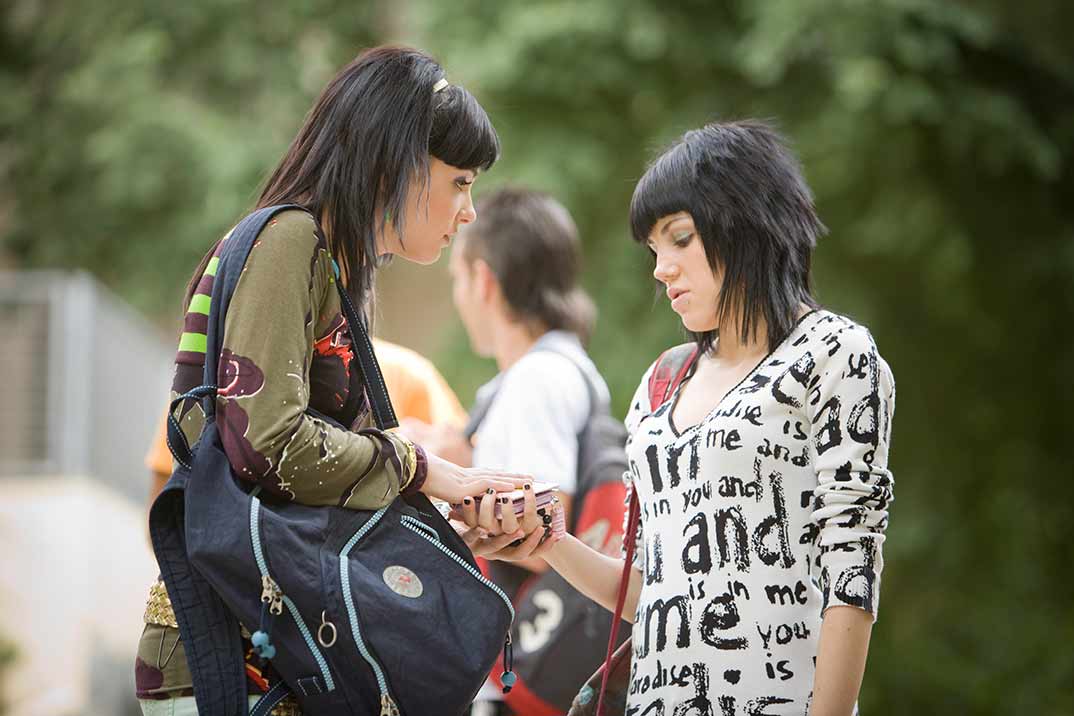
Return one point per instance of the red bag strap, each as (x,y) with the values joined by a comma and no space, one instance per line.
(631,536)
(671,367)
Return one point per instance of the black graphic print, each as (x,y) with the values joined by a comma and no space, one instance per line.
(755,520)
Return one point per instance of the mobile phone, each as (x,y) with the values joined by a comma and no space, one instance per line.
(544,492)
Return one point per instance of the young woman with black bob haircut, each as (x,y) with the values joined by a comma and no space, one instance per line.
(383,166)
(763,478)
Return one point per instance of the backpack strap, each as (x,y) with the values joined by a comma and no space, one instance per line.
(671,367)
(583,491)
(630,536)
(210,632)
(232,258)
(480,410)
(477,416)
(380,403)
(590,389)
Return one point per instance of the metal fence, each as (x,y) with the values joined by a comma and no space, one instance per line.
(86,380)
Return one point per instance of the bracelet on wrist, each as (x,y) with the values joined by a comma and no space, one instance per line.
(421,471)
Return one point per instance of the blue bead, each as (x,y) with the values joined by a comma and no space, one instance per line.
(508,679)
(259,638)
(267,652)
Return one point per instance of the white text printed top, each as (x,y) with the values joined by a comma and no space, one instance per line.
(755,520)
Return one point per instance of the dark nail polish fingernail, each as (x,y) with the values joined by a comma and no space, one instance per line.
(504,500)
(528,486)
(547,519)
(490,491)
(466,500)
(547,531)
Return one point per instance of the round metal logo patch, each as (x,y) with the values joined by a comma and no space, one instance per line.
(403,582)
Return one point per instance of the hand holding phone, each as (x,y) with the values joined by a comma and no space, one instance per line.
(508,511)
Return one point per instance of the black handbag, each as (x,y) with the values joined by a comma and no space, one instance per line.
(360,612)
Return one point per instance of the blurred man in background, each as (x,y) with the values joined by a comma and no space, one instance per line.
(515,276)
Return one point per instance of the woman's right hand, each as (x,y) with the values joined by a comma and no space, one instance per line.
(453,484)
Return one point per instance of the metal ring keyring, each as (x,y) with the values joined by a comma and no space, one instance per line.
(320,632)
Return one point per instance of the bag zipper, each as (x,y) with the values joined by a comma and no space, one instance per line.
(409,521)
(388,706)
(274,598)
(387,703)
(474,571)
(508,678)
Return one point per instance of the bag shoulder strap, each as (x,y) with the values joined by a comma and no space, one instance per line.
(671,367)
(591,390)
(380,403)
(235,249)
(233,257)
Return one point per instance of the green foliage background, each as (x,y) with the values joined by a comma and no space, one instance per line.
(937,136)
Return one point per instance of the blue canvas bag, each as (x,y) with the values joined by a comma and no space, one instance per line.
(360,611)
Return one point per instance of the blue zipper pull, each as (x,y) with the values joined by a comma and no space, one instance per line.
(508,677)
(271,607)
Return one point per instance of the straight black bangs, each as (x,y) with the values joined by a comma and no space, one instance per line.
(666,188)
(462,134)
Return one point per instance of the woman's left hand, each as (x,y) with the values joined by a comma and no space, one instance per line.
(503,547)
(515,540)
(480,542)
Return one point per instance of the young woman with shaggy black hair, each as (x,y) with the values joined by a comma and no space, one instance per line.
(382,166)
(763,479)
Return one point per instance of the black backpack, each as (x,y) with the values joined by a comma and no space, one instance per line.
(360,612)
(559,635)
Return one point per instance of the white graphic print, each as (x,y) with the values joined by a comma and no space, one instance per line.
(755,520)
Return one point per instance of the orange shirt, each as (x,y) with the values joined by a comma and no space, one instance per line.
(416,387)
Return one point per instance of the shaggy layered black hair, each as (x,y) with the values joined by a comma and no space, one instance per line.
(370,133)
(754,214)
